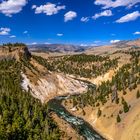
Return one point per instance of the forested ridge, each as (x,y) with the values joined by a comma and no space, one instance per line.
(126,77)
(79,65)
(22,117)
(90,66)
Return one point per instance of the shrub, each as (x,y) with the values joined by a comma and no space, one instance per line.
(138,94)
(125,107)
(118,119)
(99,113)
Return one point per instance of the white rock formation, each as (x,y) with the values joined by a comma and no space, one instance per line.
(53,85)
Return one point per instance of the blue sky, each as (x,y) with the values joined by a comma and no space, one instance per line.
(83,22)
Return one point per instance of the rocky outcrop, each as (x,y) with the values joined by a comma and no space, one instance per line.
(7,52)
(52,86)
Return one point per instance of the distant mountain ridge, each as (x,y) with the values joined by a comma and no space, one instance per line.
(127,43)
(66,48)
(57,48)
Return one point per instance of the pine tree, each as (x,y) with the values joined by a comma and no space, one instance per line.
(138,94)
(99,113)
(118,119)
(125,107)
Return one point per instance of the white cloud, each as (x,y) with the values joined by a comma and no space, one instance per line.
(34,43)
(97,41)
(113,34)
(129,17)
(47,43)
(137,33)
(12,36)
(105,13)
(70,16)
(10,7)
(85,19)
(5,31)
(25,32)
(117,3)
(93,44)
(48,9)
(114,41)
(59,34)
(86,45)
(34,7)
(83,45)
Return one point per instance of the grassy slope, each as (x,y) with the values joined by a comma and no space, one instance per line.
(128,128)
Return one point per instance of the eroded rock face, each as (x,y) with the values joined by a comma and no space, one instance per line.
(17,53)
(53,85)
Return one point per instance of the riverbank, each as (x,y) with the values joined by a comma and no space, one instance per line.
(68,133)
(82,127)
(106,124)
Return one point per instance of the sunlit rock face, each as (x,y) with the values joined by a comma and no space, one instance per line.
(17,53)
(53,85)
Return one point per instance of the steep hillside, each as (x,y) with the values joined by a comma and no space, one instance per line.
(22,117)
(109,49)
(14,52)
(113,108)
(53,85)
(42,83)
(80,65)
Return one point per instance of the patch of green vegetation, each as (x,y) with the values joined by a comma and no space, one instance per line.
(128,76)
(99,113)
(14,44)
(118,118)
(138,94)
(125,106)
(80,65)
(22,117)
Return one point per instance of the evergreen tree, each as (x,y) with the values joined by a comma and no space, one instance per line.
(138,94)
(99,113)
(118,119)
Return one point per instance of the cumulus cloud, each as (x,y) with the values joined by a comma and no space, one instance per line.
(114,41)
(113,34)
(86,45)
(97,41)
(25,32)
(117,3)
(59,34)
(48,9)
(5,31)
(129,17)
(93,44)
(105,13)
(10,7)
(85,19)
(47,43)
(12,36)
(83,45)
(70,16)
(137,33)
(34,7)
(34,43)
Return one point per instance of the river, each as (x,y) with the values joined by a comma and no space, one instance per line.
(81,126)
